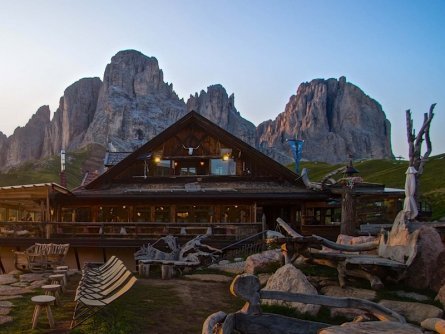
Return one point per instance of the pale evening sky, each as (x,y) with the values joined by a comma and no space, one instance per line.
(394,50)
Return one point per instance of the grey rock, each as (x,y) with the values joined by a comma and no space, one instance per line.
(30,277)
(413,311)
(372,327)
(412,295)
(7,279)
(424,271)
(5,310)
(290,279)
(262,261)
(6,304)
(6,290)
(5,319)
(336,291)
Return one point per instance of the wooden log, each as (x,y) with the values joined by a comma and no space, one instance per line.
(273,323)
(381,312)
(144,270)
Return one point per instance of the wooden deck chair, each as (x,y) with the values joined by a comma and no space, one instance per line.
(99,266)
(102,291)
(99,279)
(87,307)
(99,284)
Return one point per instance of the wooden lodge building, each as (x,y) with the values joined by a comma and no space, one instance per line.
(193,178)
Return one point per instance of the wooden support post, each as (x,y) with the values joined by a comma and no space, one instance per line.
(76,254)
(166,271)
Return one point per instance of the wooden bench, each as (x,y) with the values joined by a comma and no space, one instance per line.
(40,257)
(395,251)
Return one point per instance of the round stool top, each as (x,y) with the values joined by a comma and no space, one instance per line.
(55,276)
(43,299)
(62,267)
(51,287)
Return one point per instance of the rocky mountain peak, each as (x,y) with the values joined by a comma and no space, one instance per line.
(217,106)
(335,118)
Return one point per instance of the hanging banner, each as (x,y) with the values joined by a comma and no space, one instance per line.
(296,146)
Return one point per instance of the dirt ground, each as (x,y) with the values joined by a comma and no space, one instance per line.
(156,306)
(197,300)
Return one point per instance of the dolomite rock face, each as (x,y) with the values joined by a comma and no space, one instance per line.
(134,103)
(27,142)
(218,107)
(335,118)
(73,117)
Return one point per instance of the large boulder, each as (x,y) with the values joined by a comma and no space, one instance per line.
(262,262)
(413,311)
(423,272)
(290,279)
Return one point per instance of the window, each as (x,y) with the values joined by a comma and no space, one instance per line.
(142,214)
(113,214)
(235,214)
(162,168)
(222,167)
(162,214)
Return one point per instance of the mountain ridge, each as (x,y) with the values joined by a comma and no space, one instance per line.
(133,103)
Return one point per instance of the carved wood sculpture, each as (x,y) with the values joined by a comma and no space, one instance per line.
(395,252)
(188,255)
(415,141)
(251,319)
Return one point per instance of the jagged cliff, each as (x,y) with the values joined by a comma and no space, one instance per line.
(133,103)
(334,118)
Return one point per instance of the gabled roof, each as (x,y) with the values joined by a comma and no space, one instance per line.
(195,119)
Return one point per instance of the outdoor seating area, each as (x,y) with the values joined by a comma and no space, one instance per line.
(40,257)
(99,286)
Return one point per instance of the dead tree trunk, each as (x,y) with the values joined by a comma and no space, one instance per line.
(416,160)
(347,212)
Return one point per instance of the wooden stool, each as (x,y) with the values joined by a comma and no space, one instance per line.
(63,272)
(42,301)
(52,290)
(58,279)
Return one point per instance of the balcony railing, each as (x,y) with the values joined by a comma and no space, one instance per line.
(116,230)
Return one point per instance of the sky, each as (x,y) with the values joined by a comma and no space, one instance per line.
(394,50)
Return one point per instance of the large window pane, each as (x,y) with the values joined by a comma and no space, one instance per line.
(222,167)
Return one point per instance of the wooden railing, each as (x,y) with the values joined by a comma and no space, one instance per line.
(124,229)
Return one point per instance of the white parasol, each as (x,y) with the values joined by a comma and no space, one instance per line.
(410,205)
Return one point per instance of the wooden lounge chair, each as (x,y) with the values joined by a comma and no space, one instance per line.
(99,286)
(86,307)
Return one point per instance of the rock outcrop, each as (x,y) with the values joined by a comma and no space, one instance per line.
(73,117)
(218,107)
(334,118)
(134,103)
(27,142)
